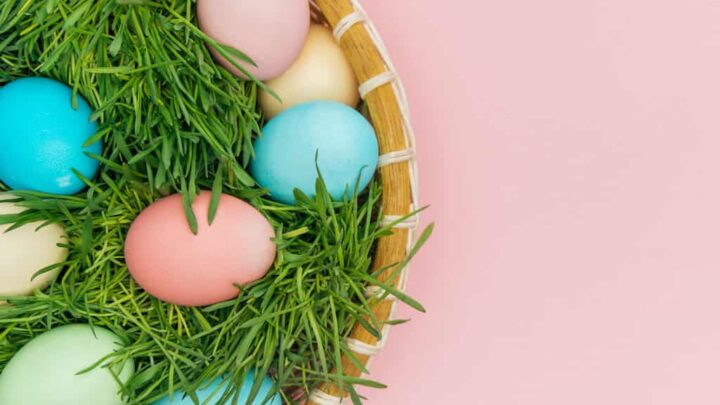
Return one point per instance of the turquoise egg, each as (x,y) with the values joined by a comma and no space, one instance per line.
(217,388)
(52,369)
(41,137)
(341,138)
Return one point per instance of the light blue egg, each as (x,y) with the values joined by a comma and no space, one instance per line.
(41,137)
(344,141)
(216,389)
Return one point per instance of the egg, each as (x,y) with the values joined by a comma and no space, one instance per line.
(216,389)
(270,32)
(46,370)
(322,72)
(179,267)
(26,250)
(42,137)
(341,138)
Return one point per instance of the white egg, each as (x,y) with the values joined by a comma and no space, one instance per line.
(26,250)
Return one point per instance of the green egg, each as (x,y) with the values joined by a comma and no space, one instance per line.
(46,370)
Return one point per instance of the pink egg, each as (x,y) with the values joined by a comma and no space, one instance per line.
(172,264)
(271,32)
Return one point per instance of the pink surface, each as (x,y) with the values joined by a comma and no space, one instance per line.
(176,266)
(570,151)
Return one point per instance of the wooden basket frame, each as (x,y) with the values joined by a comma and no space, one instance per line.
(385,97)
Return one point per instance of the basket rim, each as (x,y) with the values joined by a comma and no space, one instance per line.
(382,89)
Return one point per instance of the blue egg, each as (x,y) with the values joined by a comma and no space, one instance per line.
(343,140)
(41,137)
(217,388)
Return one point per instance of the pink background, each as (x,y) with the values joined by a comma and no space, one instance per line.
(569,149)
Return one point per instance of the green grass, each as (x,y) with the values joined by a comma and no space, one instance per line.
(174,121)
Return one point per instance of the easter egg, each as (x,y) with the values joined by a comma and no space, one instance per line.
(179,267)
(47,370)
(216,388)
(341,138)
(42,137)
(322,72)
(270,32)
(26,250)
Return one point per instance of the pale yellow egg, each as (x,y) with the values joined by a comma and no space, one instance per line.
(322,72)
(26,250)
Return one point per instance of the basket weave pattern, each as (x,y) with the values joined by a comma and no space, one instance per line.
(385,98)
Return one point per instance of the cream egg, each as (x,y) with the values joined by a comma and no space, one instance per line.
(322,72)
(26,250)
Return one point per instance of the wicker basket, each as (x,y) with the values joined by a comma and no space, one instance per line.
(385,98)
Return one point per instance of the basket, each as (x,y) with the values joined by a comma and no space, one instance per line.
(385,104)
(386,101)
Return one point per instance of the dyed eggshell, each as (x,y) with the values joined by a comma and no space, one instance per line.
(270,32)
(216,389)
(322,72)
(344,141)
(42,137)
(25,250)
(172,264)
(45,371)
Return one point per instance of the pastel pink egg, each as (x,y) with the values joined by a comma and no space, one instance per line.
(171,263)
(271,32)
